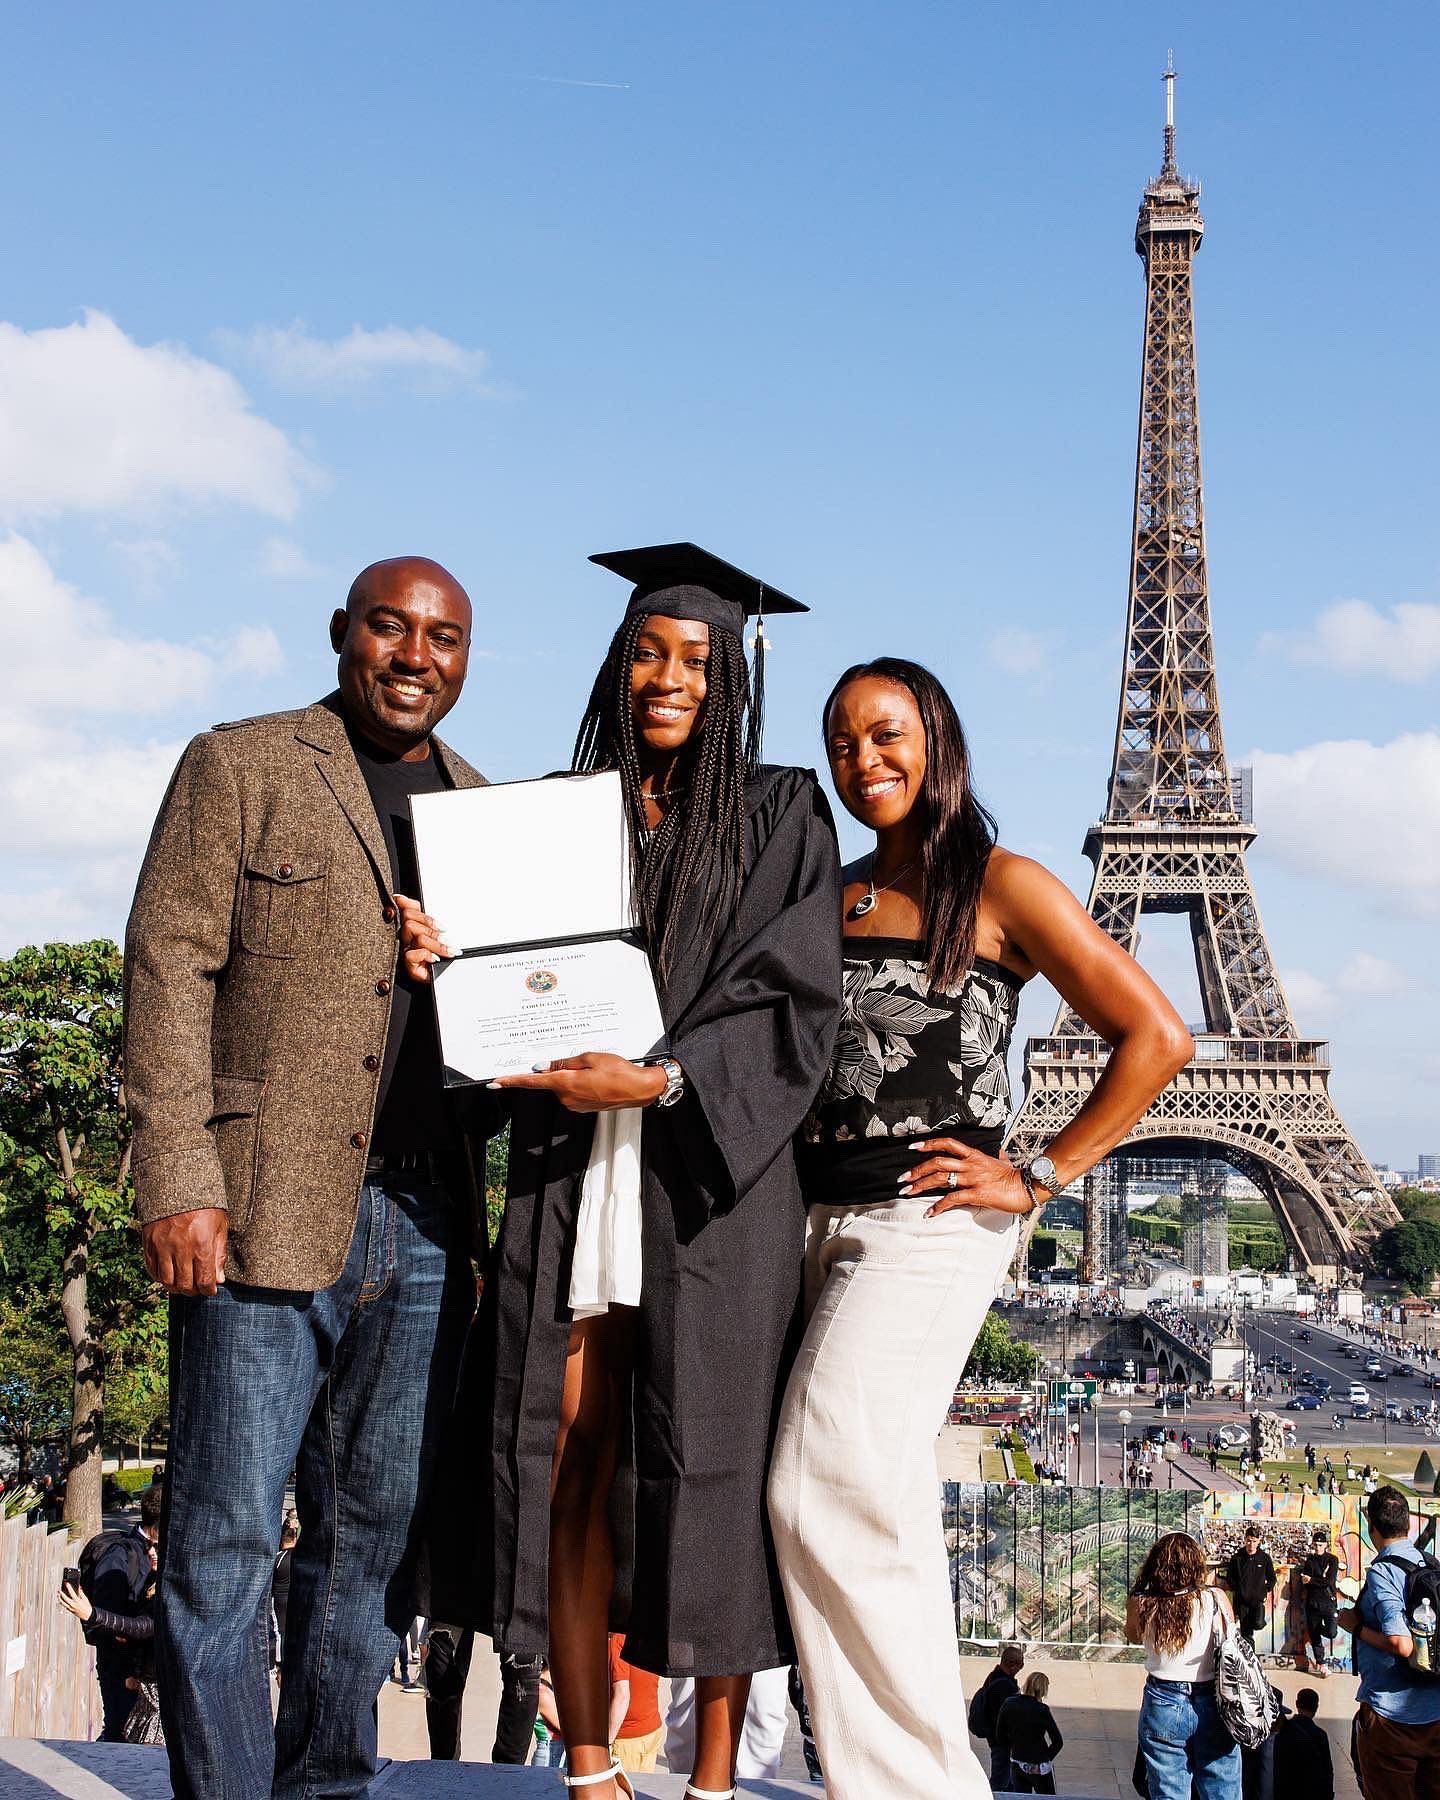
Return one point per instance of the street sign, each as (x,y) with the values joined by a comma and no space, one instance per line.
(1076,1389)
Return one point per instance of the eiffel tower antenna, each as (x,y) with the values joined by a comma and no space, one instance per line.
(1173,838)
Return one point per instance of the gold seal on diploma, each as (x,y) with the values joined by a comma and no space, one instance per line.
(542,981)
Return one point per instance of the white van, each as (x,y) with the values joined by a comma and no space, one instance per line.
(1358,1393)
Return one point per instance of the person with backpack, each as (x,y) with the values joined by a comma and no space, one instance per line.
(1026,1731)
(1179,1619)
(1397,1729)
(113,1604)
(998,1686)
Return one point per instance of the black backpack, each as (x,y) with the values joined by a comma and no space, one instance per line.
(978,1716)
(1422,1582)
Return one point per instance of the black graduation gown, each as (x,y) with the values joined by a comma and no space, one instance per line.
(723,1248)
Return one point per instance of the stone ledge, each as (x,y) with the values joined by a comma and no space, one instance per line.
(34,1770)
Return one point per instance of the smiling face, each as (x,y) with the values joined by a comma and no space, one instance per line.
(668,680)
(876,743)
(403,642)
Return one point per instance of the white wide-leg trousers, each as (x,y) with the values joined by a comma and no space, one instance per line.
(895,1303)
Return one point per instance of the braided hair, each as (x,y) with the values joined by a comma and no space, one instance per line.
(700,840)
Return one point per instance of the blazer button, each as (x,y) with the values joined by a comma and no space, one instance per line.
(285,871)
(357,1140)
(382,986)
(372,1063)
(388,915)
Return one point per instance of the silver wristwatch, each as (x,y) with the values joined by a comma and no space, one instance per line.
(674,1081)
(1040,1171)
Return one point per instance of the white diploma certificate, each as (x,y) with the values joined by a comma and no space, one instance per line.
(530,884)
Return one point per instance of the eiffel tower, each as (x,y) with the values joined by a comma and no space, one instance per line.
(1176,829)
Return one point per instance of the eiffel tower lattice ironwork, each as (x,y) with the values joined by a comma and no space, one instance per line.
(1174,838)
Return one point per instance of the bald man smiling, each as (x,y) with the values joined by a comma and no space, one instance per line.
(299,1173)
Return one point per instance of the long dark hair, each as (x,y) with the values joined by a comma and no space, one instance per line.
(700,841)
(1168,1588)
(959,832)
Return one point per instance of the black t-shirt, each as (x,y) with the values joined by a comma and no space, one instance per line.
(1323,1568)
(411,1112)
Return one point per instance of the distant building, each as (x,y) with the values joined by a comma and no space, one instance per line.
(1429,1169)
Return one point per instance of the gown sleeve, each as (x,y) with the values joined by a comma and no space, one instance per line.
(755,1041)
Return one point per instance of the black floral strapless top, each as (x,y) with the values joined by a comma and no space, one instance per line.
(908,1064)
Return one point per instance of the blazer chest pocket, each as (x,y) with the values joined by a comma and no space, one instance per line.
(282,903)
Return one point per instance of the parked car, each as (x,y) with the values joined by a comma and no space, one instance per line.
(1304,1403)
(1155,1434)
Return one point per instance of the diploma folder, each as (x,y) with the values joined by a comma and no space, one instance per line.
(529,882)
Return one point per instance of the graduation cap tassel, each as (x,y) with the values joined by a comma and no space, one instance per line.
(760,644)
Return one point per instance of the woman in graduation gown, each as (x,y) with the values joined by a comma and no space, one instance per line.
(737,878)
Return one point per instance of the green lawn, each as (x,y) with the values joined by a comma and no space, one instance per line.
(1396,1465)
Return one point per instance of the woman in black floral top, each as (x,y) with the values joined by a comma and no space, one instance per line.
(914,1214)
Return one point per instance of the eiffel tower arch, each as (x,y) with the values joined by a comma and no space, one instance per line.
(1174,838)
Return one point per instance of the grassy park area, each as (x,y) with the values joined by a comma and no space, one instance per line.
(1393,1464)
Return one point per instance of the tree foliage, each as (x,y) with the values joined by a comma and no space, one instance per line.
(1409,1253)
(66,1231)
(37,1376)
(998,1355)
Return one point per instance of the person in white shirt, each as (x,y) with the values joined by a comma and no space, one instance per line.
(1179,1617)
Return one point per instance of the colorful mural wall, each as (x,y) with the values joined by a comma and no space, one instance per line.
(1053,1565)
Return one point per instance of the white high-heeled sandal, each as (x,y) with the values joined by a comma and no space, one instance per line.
(694,1793)
(614,1773)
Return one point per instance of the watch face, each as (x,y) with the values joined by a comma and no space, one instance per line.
(1044,1172)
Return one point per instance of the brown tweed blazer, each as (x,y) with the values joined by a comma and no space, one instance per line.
(259,962)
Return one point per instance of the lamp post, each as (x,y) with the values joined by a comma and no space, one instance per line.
(1124,1416)
(1171,1452)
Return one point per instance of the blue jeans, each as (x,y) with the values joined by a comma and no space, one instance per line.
(349,1386)
(1185,1744)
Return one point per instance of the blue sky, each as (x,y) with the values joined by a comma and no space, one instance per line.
(845,292)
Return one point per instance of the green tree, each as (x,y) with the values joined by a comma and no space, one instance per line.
(1000,1356)
(65,1218)
(1409,1253)
(36,1377)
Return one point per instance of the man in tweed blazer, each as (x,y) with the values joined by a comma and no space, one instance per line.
(300,1178)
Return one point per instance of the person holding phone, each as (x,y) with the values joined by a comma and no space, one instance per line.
(112,1594)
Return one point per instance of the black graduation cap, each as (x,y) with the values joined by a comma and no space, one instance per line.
(682,581)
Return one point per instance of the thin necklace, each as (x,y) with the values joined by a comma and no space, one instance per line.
(867,902)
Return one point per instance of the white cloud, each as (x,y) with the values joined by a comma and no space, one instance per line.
(1020,652)
(81,663)
(1371,977)
(283,560)
(153,560)
(1353,637)
(76,800)
(1358,814)
(1307,994)
(291,356)
(93,422)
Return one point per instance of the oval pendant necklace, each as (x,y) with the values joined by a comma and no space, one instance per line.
(868,902)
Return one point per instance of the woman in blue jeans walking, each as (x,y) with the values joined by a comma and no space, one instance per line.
(1177,1616)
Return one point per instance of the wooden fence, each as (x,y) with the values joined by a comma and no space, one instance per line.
(47,1675)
